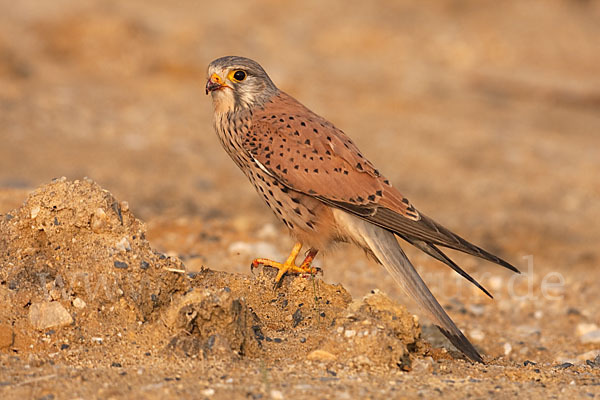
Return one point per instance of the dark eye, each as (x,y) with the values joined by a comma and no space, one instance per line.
(239,75)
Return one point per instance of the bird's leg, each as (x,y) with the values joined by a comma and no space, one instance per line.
(306,264)
(289,266)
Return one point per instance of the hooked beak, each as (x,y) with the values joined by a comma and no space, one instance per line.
(215,83)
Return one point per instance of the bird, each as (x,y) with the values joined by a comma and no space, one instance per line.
(321,186)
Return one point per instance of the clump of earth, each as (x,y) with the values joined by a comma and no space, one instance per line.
(77,271)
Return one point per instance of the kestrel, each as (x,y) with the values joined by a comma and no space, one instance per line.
(319,184)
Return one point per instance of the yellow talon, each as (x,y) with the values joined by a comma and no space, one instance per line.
(289,266)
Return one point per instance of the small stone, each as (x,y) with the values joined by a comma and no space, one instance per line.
(565,365)
(420,365)
(527,362)
(507,348)
(276,395)
(123,245)
(48,315)
(99,220)
(584,328)
(121,265)
(320,355)
(297,317)
(595,363)
(477,335)
(476,309)
(208,392)
(34,212)
(591,337)
(588,355)
(349,333)
(78,303)
(116,365)
(144,265)
(268,232)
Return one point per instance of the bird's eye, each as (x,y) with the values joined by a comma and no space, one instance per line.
(239,75)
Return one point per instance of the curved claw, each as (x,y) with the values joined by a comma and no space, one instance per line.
(289,266)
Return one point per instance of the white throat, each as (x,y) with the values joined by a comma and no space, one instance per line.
(223,101)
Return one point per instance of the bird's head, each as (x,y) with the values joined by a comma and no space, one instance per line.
(237,83)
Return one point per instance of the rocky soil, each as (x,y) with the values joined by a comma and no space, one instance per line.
(135,282)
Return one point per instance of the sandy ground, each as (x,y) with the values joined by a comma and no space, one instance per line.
(485,114)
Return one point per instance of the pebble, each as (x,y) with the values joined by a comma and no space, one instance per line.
(349,333)
(320,355)
(477,335)
(78,303)
(423,365)
(476,309)
(121,265)
(276,395)
(208,392)
(123,245)
(48,315)
(591,337)
(584,328)
(526,330)
(99,220)
(507,348)
(588,355)
(267,232)
(595,363)
(34,212)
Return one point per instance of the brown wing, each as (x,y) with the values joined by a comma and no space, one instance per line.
(308,154)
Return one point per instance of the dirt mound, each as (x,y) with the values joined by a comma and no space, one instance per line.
(73,249)
(76,267)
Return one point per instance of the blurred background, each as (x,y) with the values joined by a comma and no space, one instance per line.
(485,114)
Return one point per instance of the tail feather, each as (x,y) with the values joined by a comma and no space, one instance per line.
(383,244)
(439,255)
